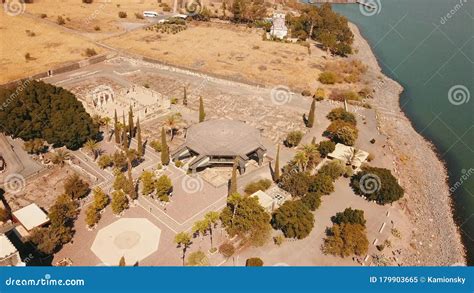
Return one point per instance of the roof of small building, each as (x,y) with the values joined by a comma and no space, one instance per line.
(343,152)
(6,247)
(265,200)
(222,137)
(31,216)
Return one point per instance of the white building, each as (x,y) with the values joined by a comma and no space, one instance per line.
(29,217)
(279,29)
(349,155)
(9,255)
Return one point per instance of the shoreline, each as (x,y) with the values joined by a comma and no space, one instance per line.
(428,202)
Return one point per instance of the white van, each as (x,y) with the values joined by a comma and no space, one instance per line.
(150,14)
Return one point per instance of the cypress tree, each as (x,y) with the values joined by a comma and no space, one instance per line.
(165,152)
(185,97)
(130,123)
(122,262)
(124,133)
(116,128)
(233,179)
(139,139)
(311,114)
(202,114)
(276,173)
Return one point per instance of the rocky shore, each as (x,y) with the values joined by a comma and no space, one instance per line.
(435,239)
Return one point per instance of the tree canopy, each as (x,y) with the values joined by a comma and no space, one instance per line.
(294,219)
(48,112)
(377,184)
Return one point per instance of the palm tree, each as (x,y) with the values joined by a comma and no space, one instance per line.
(60,157)
(183,240)
(352,155)
(301,160)
(200,227)
(212,218)
(173,123)
(92,147)
(106,122)
(312,154)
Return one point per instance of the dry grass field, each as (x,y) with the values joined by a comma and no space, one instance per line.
(48,47)
(228,50)
(99,14)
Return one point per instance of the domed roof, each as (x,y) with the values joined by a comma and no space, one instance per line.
(223,137)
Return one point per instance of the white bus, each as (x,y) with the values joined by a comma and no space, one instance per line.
(150,14)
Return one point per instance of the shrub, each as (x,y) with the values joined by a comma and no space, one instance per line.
(75,187)
(97,28)
(371,157)
(28,57)
(164,187)
(278,240)
(43,15)
(306,93)
(227,249)
(156,145)
(377,184)
(341,114)
(322,183)
(87,1)
(122,14)
(178,164)
(293,138)
(349,216)
(105,161)
(294,219)
(328,77)
(138,15)
(345,240)
(92,216)
(344,95)
(4,215)
(338,124)
(255,186)
(90,52)
(333,169)
(326,147)
(312,201)
(60,20)
(254,262)
(345,135)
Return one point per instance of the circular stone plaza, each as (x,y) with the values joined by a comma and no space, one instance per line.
(221,142)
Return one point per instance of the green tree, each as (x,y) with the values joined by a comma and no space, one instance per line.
(377,184)
(35,146)
(341,114)
(345,135)
(120,181)
(139,139)
(212,218)
(92,147)
(296,183)
(116,128)
(183,240)
(293,138)
(227,249)
(202,113)
(233,179)
(333,169)
(349,216)
(131,128)
(254,262)
(148,182)
(75,187)
(245,217)
(198,258)
(262,184)
(276,174)
(294,219)
(101,200)
(105,161)
(122,262)
(163,187)
(165,154)
(44,111)
(119,201)
(92,216)
(345,240)
(60,157)
(200,227)
(311,114)
(312,200)
(326,147)
(322,184)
